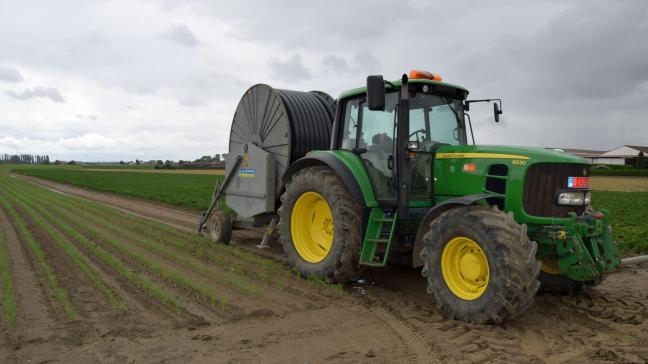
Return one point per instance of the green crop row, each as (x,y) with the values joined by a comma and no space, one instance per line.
(186,190)
(629,211)
(8,299)
(71,251)
(105,256)
(169,274)
(172,249)
(60,294)
(193,244)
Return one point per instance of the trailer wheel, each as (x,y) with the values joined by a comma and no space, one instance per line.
(480,265)
(320,225)
(219,227)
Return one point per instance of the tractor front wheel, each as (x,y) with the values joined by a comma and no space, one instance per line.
(320,225)
(480,265)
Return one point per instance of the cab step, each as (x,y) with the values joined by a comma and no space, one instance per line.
(378,237)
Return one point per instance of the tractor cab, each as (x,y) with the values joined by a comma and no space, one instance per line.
(400,132)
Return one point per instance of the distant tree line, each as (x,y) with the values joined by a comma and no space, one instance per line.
(24,159)
(204,162)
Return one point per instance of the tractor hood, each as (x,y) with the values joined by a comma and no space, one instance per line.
(531,155)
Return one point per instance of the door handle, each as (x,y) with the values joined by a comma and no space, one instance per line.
(390,162)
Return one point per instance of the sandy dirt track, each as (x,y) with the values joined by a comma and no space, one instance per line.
(388,318)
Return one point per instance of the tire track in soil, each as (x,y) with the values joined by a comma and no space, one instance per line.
(412,341)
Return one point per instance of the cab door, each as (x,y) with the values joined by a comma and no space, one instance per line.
(370,134)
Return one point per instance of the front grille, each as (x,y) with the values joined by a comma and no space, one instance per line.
(542,182)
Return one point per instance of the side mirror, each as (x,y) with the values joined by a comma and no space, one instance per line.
(497,111)
(376,92)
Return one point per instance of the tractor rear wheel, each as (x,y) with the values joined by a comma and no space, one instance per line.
(480,265)
(320,225)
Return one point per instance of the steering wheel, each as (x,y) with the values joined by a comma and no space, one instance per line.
(416,132)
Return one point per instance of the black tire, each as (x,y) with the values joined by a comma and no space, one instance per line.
(219,227)
(513,268)
(557,284)
(341,262)
(553,283)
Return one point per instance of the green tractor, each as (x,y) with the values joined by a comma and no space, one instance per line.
(397,181)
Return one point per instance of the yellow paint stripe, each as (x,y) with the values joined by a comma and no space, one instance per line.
(479,155)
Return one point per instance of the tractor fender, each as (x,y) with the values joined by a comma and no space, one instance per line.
(434,213)
(335,164)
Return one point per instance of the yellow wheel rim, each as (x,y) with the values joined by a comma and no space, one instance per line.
(465,268)
(311,226)
(549,265)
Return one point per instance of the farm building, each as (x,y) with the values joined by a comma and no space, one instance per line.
(625,154)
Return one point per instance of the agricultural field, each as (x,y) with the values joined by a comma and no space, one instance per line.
(619,183)
(628,209)
(81,281)
(76,275)
(152,170)
(185,190)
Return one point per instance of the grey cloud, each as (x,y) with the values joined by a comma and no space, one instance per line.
(593,52)
(182,35)
(46,92)
(290,70)
(92,117)
(310,25)
(574,66)
(190,102)
(362,62)
(598,51)
(9,74)
(335,64)
(367,61)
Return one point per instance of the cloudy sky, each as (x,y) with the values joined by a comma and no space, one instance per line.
(111,80)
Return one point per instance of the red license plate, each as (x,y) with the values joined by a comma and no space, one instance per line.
(578,182)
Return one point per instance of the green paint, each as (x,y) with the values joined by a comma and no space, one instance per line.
(376,236)
(357,168)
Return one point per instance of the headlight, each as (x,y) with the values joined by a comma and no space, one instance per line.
(571,198)
(588,198)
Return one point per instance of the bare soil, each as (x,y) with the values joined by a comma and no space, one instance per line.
(387,317)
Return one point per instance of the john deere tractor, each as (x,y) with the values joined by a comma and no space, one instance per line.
(387,174)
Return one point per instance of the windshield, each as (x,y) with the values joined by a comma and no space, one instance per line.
(436,119)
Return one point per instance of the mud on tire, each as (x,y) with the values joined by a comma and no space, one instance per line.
(218,227)
(341,262)
(513,268)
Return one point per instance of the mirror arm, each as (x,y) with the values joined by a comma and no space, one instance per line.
(472,135)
